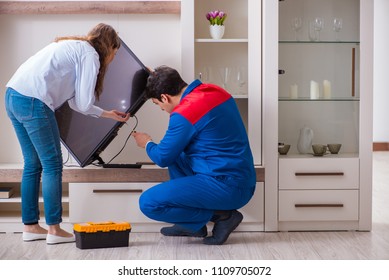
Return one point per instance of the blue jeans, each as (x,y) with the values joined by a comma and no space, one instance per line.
(37,131)
(190,200)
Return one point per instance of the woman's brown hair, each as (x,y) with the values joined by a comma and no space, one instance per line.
(103,39)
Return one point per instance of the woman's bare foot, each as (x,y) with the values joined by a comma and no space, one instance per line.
(35,229)
(34,232)
(58,231)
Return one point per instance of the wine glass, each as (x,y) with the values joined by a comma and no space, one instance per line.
(205,75)
(225,73)
(318,25)
(338,24)
(241,79)
(311,31)
(296,25)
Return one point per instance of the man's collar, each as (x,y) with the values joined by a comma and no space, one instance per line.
(191,87)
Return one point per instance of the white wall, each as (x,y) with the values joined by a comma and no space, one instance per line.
(155,39)
(381,73)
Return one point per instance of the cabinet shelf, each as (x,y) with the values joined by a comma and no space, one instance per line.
(14,217)
(307,99)
(89,7)
(18,199)
(319,42)
(340,155)
(221,40)
(240,96)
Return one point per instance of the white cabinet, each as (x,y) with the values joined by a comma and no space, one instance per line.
(318,193)
(254,211)
(93,202)
(220,61)
(323,81)
(106,201)
(10,209)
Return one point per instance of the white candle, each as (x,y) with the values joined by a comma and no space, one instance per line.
(293,91)
(314,90)
(327,89)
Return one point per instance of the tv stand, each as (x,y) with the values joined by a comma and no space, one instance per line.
(121,165)
(100,161)
(103,179)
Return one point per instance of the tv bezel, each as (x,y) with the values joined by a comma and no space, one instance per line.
(111,135)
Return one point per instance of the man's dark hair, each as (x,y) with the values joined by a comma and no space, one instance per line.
(164,80)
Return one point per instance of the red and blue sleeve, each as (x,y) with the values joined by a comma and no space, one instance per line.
(179,134)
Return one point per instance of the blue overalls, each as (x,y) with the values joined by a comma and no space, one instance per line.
(207,152)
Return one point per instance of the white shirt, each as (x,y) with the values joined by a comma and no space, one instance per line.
(60,72)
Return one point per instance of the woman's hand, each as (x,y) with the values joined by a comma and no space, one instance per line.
(116,115)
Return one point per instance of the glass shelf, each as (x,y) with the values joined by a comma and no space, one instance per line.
(201,40)
(305,99)
(319,42)
(240,96)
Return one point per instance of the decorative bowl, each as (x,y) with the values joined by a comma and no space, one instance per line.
(334,148)
(283,149)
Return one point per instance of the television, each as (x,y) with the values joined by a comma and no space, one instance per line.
(85,137)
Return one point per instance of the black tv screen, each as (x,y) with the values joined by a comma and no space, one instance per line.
(85,137)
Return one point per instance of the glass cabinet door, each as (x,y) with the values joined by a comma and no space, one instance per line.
(319,50)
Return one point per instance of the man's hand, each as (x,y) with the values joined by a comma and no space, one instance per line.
(141,138)
(116,115)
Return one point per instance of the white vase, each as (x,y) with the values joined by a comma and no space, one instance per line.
(305,140)
(216,31)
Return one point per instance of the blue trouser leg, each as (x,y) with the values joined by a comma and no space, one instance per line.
(190,201)
(38,134)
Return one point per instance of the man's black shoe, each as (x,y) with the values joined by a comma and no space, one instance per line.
(179,231)
(221,215)
(223,228)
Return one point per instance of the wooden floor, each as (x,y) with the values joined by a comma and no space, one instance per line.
(372,245)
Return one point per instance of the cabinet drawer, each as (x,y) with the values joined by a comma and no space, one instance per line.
(106,201)
(318,205)
(319,173)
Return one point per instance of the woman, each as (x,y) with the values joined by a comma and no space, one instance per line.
(70,69)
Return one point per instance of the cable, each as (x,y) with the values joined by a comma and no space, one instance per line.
(64,164)
(128,137)
(66,161)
